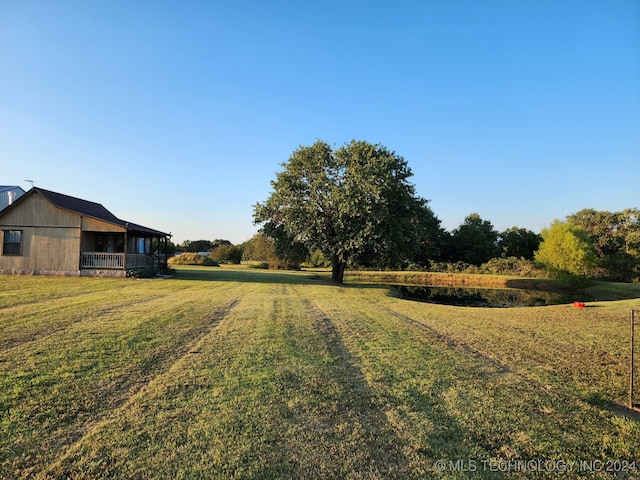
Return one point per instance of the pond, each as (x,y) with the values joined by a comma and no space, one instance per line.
(486,297)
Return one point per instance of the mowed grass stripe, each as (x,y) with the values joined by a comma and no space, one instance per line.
(271,393)
(407,375)
(465,405)
(23,290)
(357,440)
(263,375)
(139,399)
(582,349)
(58,303)
(34,322)
(52,391)
(56,316)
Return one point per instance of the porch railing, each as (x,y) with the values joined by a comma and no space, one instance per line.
(116,260)
(103,260)
(139,260)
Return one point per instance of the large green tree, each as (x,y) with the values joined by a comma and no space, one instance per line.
(567,251)
(475,241)
(616,239)
(354,204)
(519,243)
(602,227)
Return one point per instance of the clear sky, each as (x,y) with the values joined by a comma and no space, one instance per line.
(177,114)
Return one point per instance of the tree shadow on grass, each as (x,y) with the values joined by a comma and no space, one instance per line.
(340,419)
(248,275)
(253,275)
(615,408)
(352,436)
(441,448)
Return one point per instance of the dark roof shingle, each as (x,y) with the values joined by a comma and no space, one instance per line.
(78,205)
(95,210)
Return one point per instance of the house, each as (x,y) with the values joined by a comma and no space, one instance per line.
(8,195)
(48,233)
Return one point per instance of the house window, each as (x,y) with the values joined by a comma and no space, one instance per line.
(12,242)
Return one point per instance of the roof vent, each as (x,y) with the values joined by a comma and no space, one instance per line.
(12,197)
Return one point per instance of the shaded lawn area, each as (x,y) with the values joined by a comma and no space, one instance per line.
(223,373)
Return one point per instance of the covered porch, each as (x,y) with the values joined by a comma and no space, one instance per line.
(133,249)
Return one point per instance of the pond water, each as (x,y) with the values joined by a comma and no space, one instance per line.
(485,297)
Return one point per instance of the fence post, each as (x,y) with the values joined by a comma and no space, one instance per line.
(632,405)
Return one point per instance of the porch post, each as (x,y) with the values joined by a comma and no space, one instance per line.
(166,252)
(81,246)
(126,245)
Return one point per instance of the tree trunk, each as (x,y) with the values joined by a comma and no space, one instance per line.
(337,269)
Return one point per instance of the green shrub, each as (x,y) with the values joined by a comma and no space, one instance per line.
(456,267)
(227,254)
(518,267)
(317,259)
(192,259)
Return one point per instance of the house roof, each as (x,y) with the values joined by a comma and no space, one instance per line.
(90,209)
(80,206)
(4,188)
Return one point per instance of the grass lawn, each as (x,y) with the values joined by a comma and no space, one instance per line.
(225,373)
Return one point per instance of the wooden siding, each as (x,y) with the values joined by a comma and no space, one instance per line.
(37,210)
(93,225)
(50,239)
(45,250)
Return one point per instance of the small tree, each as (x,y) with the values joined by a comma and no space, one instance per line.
(263,248)
(317,259)
(567,252)
(227,253)
(258,248)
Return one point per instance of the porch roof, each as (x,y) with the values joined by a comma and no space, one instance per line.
(92,209)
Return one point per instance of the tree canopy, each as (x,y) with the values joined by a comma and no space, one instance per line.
(567,251)
(475,240)
(519,243)
(616,239)
(224,253)
(353,204)
(201,245)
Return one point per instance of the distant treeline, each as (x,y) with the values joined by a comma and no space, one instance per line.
(607,244)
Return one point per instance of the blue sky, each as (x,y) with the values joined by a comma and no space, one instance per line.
(177,115)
